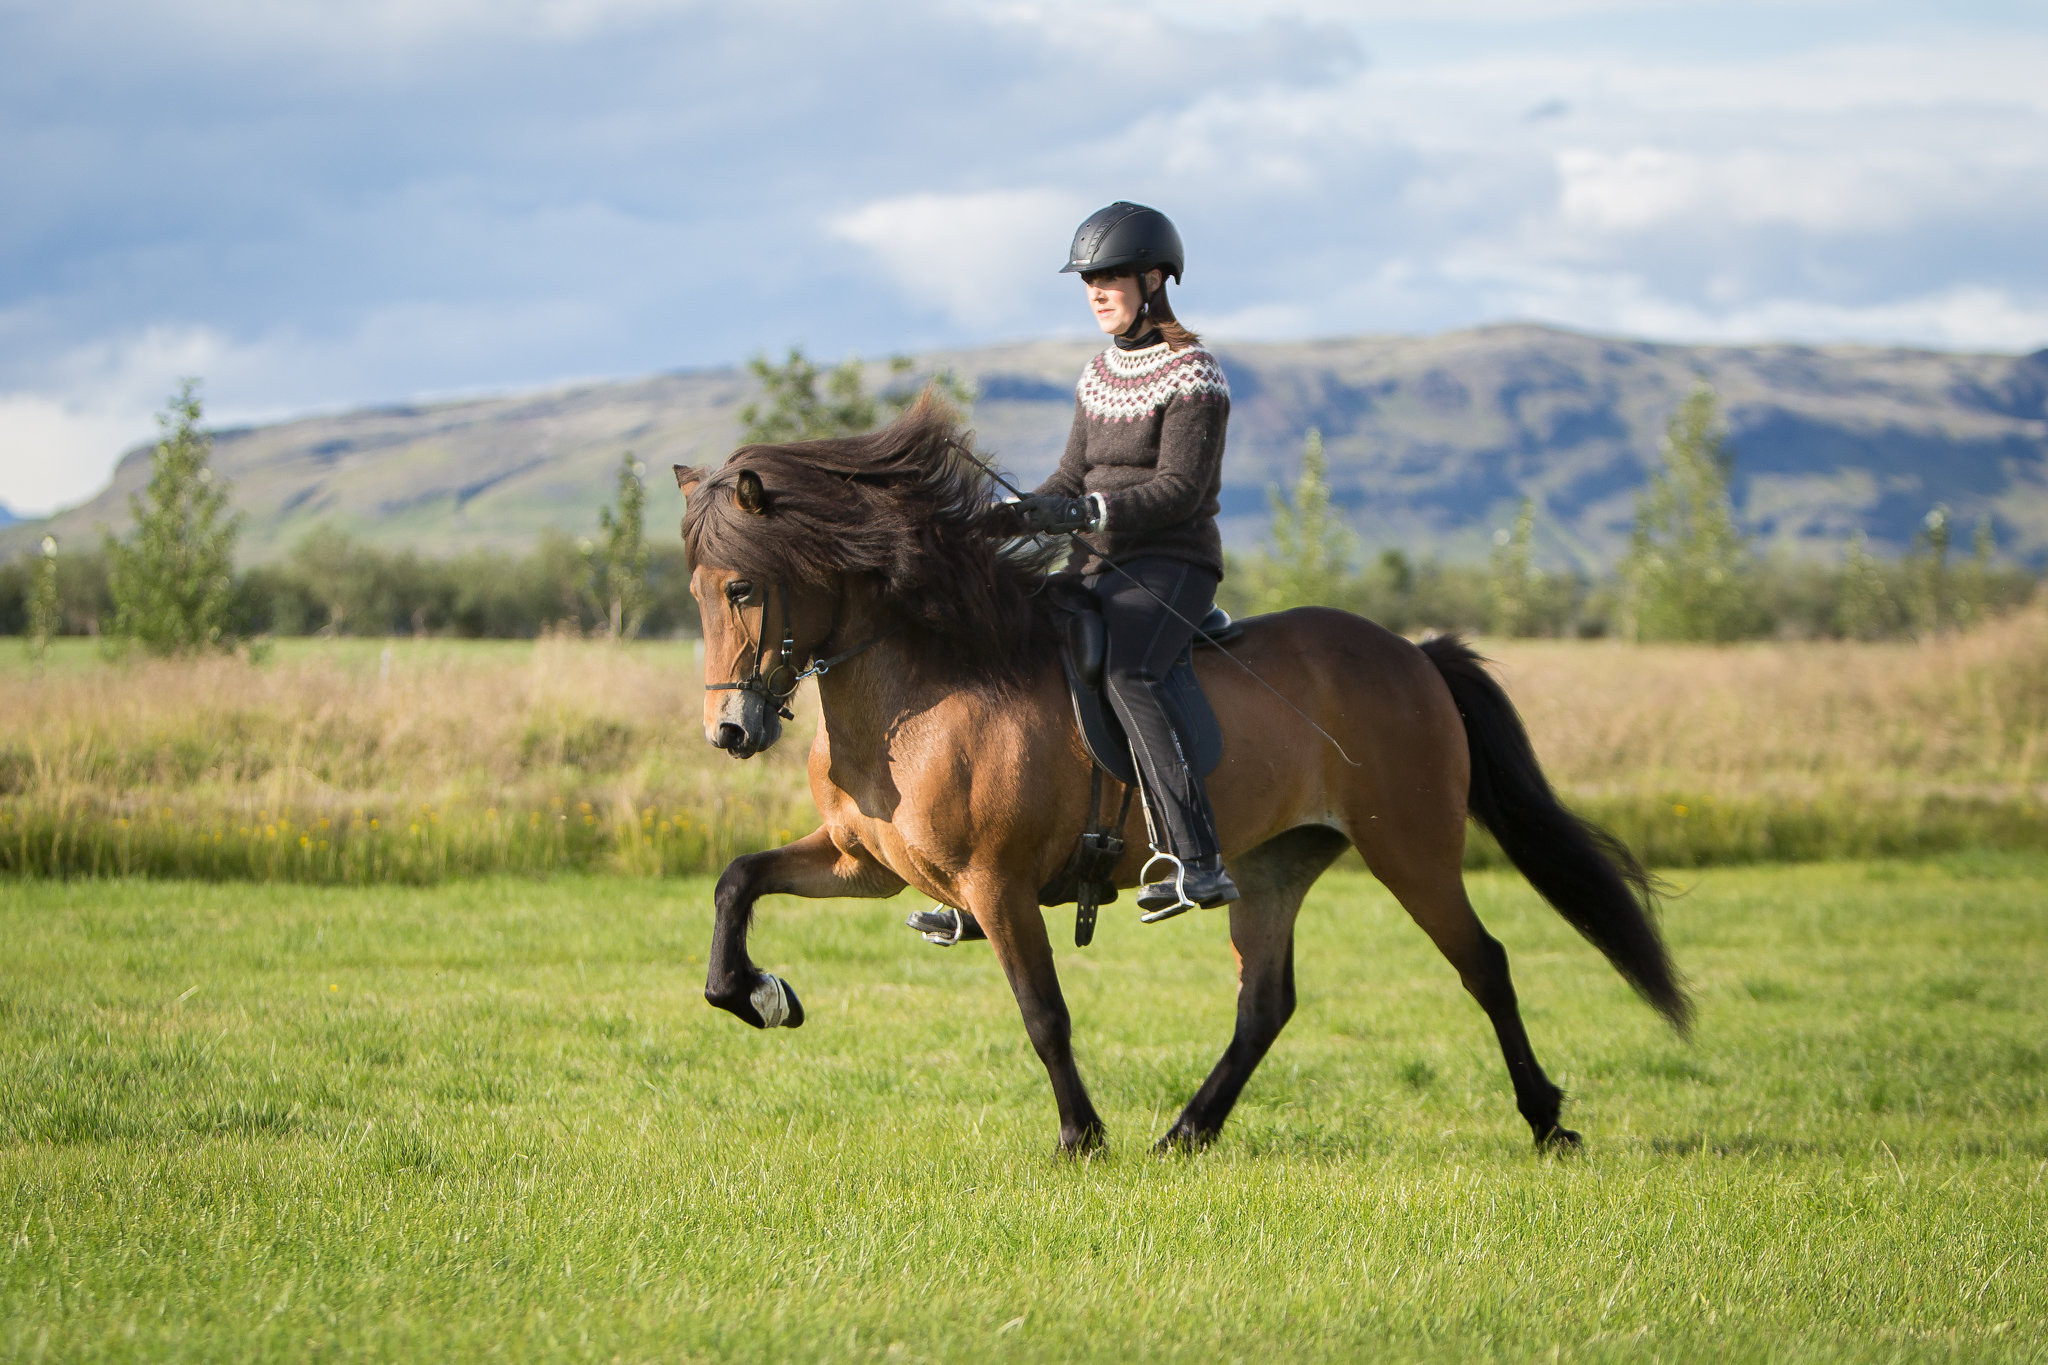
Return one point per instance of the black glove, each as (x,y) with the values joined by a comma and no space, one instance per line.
(1045,515)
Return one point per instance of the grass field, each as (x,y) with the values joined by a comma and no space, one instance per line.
(494,1119)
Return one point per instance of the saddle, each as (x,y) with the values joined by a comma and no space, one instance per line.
(1084,649)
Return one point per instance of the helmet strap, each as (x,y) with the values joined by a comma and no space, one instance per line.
(1138,322)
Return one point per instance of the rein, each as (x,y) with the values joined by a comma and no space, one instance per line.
(764,684)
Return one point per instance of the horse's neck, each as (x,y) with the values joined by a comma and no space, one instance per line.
(863,703)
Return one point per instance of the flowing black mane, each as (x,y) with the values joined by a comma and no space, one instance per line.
(905,507)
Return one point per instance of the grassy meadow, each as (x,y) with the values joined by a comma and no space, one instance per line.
(494,1119)
(362,761)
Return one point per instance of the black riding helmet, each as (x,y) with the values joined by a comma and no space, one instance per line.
(1125,234)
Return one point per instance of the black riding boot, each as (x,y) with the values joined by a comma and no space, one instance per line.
(1146,639)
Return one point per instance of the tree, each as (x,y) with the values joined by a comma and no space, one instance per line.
(1864,607)
(45,608)
(172,581)
(1311,545)
(791,408)
(1687,572)
(1973,581)
(618,567)
(1929,592)
(1513,580)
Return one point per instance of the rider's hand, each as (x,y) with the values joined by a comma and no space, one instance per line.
(1047,515)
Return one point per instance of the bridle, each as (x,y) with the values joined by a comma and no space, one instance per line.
(768,685)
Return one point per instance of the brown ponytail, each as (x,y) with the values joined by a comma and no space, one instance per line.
(1159,313)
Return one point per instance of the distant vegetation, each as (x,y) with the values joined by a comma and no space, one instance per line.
(1691,571)
(170,587)
(171,583)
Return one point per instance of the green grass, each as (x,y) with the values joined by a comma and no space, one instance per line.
(495,1119)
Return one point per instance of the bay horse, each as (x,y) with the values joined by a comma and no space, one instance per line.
(947,757)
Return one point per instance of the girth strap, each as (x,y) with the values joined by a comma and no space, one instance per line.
(1093,866)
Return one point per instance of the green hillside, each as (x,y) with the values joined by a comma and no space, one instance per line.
(1432,440)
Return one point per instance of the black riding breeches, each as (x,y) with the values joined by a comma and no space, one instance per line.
(1145,640)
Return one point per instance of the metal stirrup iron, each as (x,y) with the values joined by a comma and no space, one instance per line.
(1180,888)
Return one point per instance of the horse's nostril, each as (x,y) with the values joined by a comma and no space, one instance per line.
(730,736)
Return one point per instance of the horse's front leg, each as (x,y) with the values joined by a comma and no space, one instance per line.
(813,867)
(1016,930)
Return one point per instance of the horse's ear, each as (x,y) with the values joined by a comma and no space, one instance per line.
(687,478)
(749,493)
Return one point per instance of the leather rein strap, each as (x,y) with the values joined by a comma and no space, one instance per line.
(764,684)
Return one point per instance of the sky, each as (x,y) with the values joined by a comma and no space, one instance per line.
(317,204)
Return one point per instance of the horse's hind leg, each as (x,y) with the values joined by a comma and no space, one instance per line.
(1273,879)
(1436,900)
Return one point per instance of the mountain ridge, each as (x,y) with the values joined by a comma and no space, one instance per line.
(1432,442)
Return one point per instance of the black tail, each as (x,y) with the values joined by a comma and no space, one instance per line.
(1587,874)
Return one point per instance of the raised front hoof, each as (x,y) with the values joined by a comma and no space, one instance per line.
(770,1003)
(1558,1139)
(1083,1141)
(1183,1139)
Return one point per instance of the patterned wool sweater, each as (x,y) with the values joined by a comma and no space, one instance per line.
(1148,436)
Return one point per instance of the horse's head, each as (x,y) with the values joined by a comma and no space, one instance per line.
(888,526)
(760,630)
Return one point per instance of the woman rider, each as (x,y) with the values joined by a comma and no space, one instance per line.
(1140,478)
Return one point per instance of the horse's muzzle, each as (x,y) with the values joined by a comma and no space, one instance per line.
(744,728)
(737,741)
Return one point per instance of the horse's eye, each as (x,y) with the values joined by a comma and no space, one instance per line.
(738,591)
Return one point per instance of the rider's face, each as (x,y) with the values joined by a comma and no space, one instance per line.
(1114,298)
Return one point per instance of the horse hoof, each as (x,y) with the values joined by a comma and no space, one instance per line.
(1559,1139)
(1082,1142)
(776,1003)
(770,1004)
(1181,1140)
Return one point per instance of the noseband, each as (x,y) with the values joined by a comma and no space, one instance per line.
(765,684)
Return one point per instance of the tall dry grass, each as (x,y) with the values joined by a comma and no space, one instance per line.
(416,760)
(1788,750)
(362,761)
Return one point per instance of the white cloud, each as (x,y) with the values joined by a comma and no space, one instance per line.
(62,432)
(1962,317)
(60,440)
(1644,187)
(314,203)
(1439,11)
(358,27)
(53,455)
(1259,322)
(980,258)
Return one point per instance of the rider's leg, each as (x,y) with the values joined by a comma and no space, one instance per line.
(1149,610)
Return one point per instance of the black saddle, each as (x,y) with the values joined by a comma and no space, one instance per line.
(1084,647)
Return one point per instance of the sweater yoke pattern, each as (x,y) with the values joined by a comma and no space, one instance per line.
(1129,386)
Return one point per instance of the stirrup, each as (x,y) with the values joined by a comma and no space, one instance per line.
(1181,904)
(939,938)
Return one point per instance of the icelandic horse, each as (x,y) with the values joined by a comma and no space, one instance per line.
(947,758)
